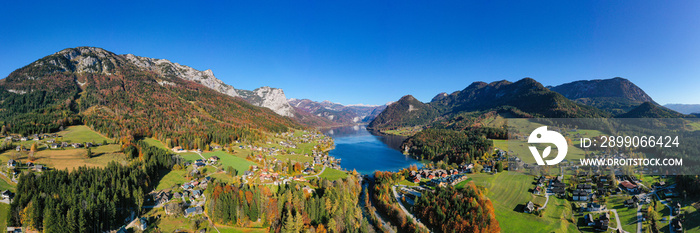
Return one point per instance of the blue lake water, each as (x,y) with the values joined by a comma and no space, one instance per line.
(366,153)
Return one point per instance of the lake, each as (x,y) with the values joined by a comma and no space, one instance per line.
(361,150)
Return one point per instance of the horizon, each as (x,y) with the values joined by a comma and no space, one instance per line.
(375,53)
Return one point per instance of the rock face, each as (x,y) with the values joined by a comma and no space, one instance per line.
(168,68)
(272,98)
(99,61)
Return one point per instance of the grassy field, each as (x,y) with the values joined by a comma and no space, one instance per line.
(333,174)
(171,178)
(155,142)
(71,158)
(81,133)
(4,212)
(521,150)
(692,222)
(509,193)
(404,131)
(226,159)
(297,158)
(628,216)
(223,177)
(190,156)
(230,229)
(4,185)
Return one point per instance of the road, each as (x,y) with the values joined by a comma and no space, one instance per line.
(670,215)
(386,226)
(211,223)
(319,173)
(617,219)
(640,218)
(546,195)
(398,199)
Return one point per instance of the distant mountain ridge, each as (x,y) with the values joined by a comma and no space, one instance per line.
(338,113)
(651,110)
(684,108)
(616,95)
(525,97)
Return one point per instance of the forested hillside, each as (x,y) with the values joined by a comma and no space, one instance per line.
(118,98)
(332,207)
(87,199)
(458,210)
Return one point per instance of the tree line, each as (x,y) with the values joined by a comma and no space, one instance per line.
(332,206)
(86,199)
(457,210)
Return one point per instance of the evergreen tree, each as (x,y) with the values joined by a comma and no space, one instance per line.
(289,224)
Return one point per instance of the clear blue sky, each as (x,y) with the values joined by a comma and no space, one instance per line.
(374,52)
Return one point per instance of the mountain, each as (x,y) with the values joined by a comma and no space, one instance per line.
(439,97)
(272,98)
(337,113)
(408,111)
(129,96)
(684,108)
(169,69)
(616,95)
(526,98)
(651,110)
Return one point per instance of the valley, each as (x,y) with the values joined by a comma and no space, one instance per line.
(163,147)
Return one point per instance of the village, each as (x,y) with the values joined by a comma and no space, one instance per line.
(296,156)
(601,200)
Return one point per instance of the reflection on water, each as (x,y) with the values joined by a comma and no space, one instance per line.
(361,150)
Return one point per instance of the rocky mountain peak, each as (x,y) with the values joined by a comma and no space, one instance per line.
(272,98)
(171,69)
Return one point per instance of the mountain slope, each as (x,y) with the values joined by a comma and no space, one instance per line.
(169,69)
(408,111)
(526,94)
(616,95)
(118,96)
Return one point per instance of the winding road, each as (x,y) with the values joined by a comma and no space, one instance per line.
(398,199)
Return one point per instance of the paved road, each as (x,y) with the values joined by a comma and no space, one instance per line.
(617,219)
(670,215)
(396,195)
(546,195)
(640,218)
